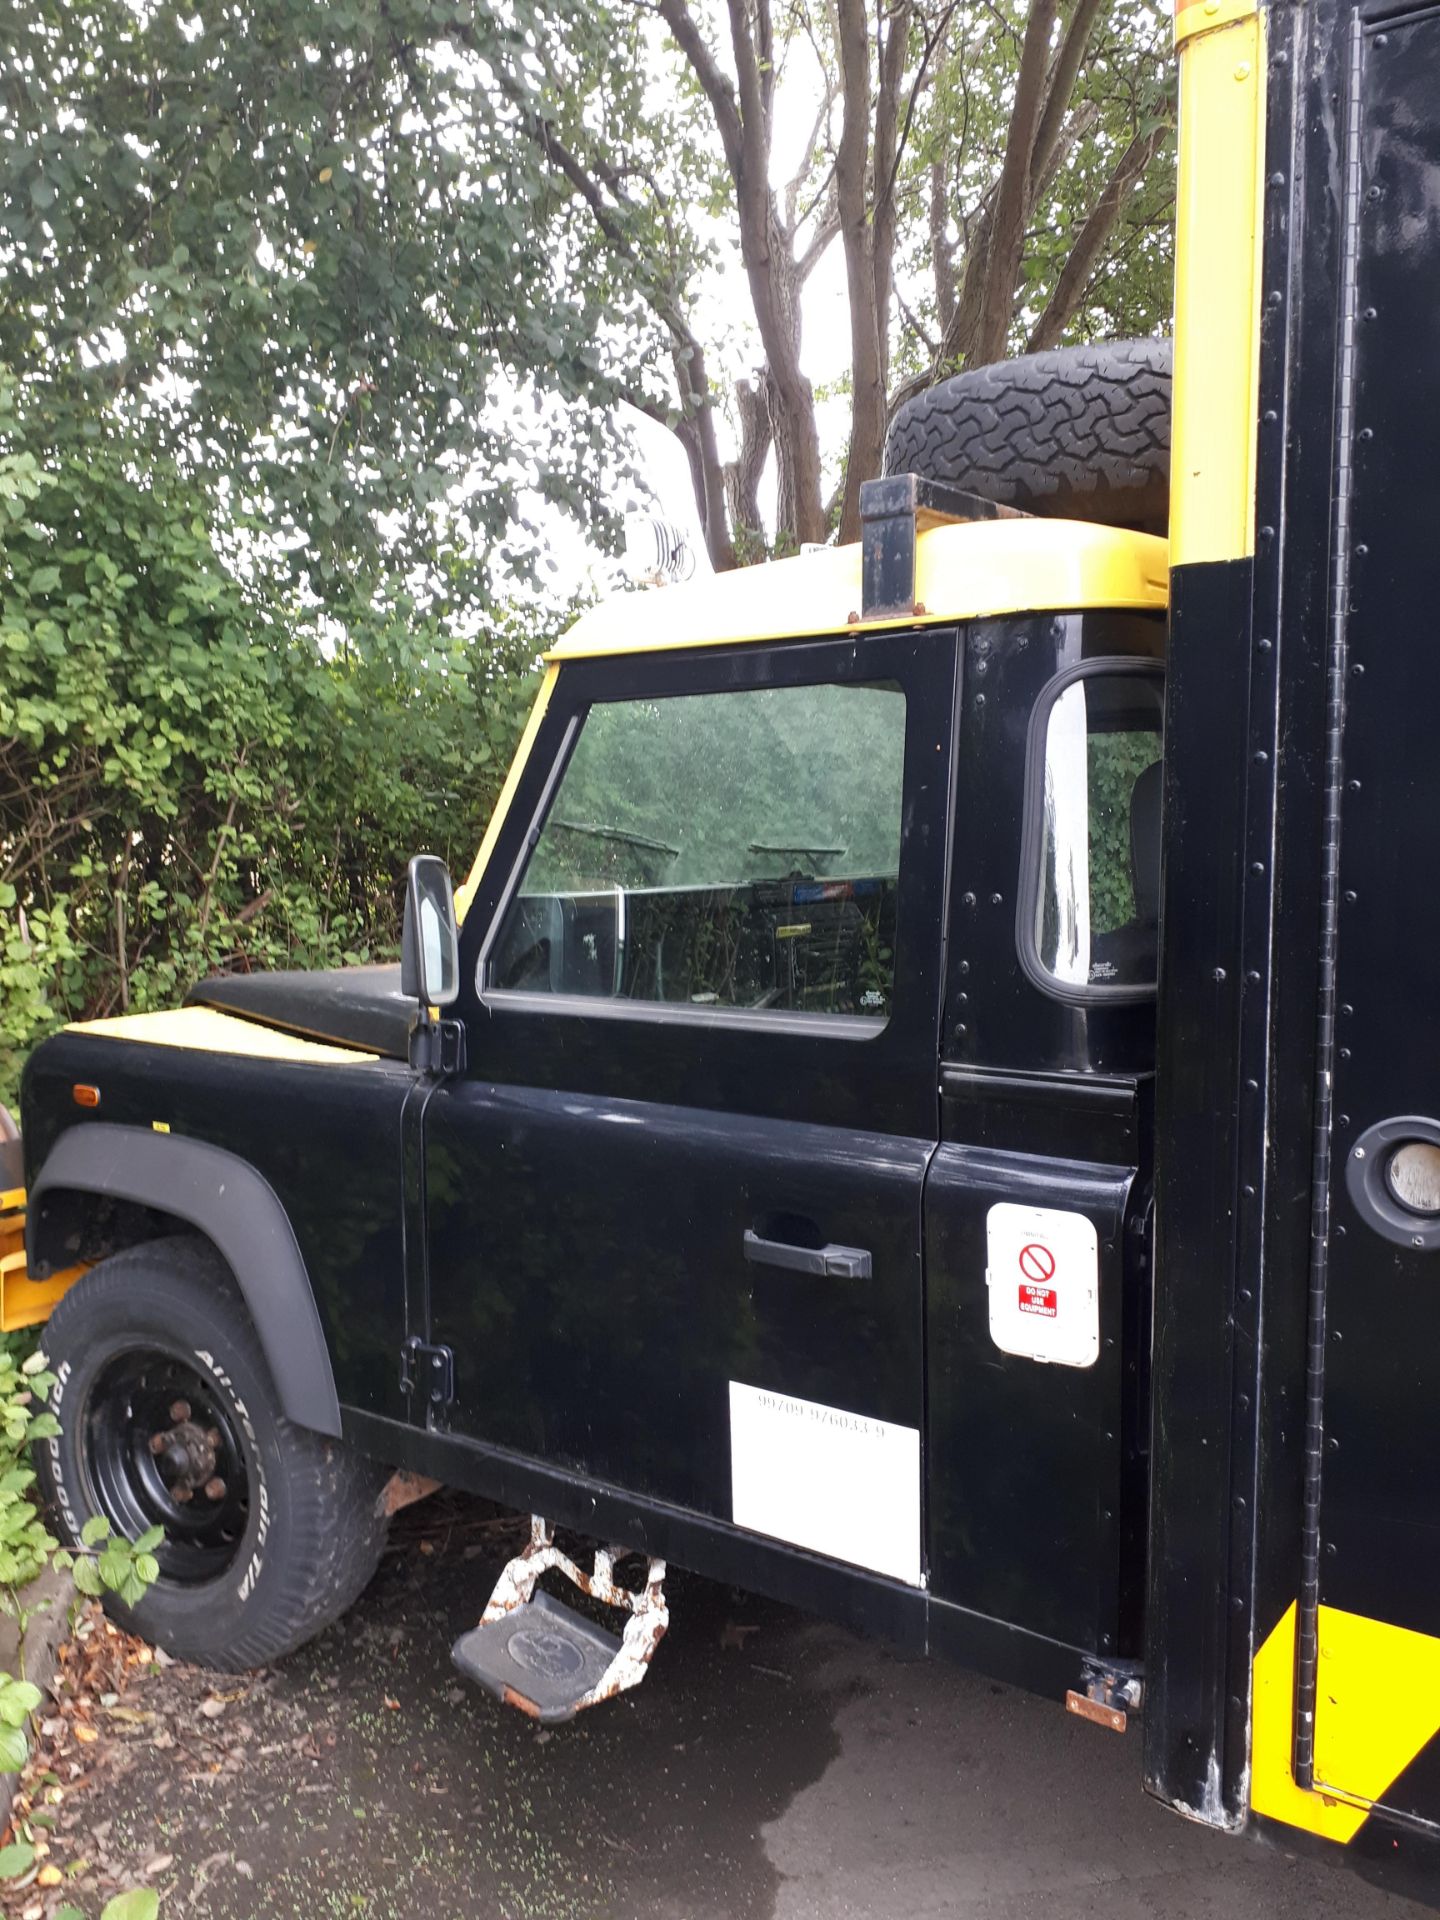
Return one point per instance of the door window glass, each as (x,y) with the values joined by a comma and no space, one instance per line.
(1097,908)
(733,850)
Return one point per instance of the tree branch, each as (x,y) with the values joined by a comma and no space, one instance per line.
(1064,72)
(713,83)
(1069,290)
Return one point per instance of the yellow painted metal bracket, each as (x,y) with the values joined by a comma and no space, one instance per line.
(25,1302)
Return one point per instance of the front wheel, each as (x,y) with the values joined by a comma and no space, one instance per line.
(168,1416)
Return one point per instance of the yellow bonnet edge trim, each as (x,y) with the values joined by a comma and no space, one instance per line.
(465,893)
(206,1030)
(978,570)
(1218,245)
(1378,1705)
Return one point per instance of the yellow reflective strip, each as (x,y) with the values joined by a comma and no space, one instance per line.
(208,1031)
(1272,1735)
(465,893)
(1217,294)
(1377,1705)
(972,571)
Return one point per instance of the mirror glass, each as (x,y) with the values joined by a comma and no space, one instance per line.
(431,969)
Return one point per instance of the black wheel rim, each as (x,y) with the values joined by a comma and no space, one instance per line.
(163,1449)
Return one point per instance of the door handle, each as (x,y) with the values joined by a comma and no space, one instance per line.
(838,1263)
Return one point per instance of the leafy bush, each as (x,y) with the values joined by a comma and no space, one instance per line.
(103,1564)
(197,773)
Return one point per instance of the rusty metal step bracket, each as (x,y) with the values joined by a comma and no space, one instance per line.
(533,1652)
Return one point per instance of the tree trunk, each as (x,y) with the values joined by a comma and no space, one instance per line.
(742,475)
(743,119)
(867,232)
(867,359)
(692,382)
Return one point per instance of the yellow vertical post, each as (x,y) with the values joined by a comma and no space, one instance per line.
(1217,279)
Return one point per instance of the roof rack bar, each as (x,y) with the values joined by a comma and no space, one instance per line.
(894,511)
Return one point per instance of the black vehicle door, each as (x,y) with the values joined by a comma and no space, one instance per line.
(674,1204)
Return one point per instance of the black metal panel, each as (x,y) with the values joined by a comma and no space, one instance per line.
(326,1139)
(1380,1518)
(1025,1460)
(1035,1473)
(1090,1116)
(996,1017)
(588,1269)
(591,1180)
(1197,1101)
(350,1006)
(894,511)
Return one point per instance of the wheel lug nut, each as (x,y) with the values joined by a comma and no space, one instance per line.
(179,1410)
(182,1494)
(215,1489)
(213,1436)
(157,1442)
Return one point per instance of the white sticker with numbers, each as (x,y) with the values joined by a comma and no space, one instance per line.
(839,1483)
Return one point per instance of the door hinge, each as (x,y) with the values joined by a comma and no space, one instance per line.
(429,1372)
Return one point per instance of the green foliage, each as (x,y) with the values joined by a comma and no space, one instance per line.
(304,254)
(141,1903)
(1125,89)
(16,1859)
(1116,762)
(194,775)
(103,1564)
(714,789)
(293,316)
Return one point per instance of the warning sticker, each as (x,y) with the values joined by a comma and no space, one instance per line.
(1043,1279)
(1038,1300)
(1037,1262)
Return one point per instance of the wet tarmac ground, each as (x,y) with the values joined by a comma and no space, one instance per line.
(771,1765)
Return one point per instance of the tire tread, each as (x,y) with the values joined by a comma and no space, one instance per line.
(1080,433)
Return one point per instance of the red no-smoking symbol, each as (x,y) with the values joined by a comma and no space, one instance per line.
(1037,1262)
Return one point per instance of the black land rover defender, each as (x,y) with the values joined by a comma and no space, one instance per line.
(786,1162)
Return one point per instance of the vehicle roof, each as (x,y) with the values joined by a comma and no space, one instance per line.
(970,571)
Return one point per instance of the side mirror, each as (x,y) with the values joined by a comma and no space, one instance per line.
(430,943)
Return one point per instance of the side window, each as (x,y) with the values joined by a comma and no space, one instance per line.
(1090,904)
(727,850)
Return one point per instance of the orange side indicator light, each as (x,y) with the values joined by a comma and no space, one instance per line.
(84,1095)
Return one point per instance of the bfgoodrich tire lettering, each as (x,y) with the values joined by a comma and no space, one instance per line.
(302,1542)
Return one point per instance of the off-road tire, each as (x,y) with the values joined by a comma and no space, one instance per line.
(309,1539)
(1082,433)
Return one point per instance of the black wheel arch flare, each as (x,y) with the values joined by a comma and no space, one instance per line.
(235,1207)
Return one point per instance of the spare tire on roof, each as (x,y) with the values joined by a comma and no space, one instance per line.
(1081,433)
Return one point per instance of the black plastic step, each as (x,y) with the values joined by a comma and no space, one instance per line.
(541,1658)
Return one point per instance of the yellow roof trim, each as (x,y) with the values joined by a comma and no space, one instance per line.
(972,571)
(207,1031)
